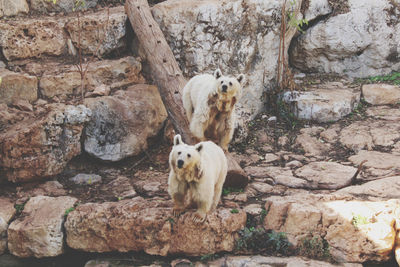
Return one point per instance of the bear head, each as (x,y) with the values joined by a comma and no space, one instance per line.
(186,160)
(228,90)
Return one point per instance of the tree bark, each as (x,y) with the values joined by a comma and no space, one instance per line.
(168,77)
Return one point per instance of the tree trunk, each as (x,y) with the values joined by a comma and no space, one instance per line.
(168,77)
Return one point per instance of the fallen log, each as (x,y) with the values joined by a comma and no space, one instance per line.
(169,79)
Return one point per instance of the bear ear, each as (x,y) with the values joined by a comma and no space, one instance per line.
(241,79)
(199,147)
(177,140)
(217,73)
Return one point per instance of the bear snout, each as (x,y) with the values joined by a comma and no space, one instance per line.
(224,88)
(180,163)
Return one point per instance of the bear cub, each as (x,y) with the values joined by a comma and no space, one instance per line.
(209,102)
(197,173)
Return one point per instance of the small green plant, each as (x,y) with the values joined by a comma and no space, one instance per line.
(314,247)
(67,211)
(227,190)
(278,242)
(393,77)
(171,220)
(234,211)
(19,207)
(358,220)
(208,257)
(263,214)
(293,21)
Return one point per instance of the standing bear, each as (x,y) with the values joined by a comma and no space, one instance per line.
(209,102)
(197,172)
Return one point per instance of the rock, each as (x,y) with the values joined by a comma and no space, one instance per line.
(151,183)
(381,94)
(86,179)
(204,35)
(378,160)
(122,123)
(45,6)
(39,232)
(326,175)
(312,146)
(270,157)
(107,28)
(370,133)
(350,43)
(17,86)
(41,147)
(7,212)
(253,209)
(11,8)
(356,231)
(32,38)
(121,188)
(331,134)
(258,260)
(323,104)
(385,188)
(317,8)
(49,188)
(263,188)
(294,164)
(384,113)
(279,176)
(108,227)
(64,80)
(23,105)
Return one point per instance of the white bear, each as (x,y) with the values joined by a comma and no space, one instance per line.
(197,172)
(209,102)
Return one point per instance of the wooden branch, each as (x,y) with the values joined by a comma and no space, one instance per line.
(168,77)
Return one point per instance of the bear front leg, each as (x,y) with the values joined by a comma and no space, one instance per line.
(179,206)
(227,136)
(197,128)
(201,214)
(177,190)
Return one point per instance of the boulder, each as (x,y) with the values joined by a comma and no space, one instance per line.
(384,113)
(7,211)
(355,231)
(86,179)
(350,42)
(65,80)
(13,7)
(381,94)
(324,104)
(312,145)
(41,146)
(17,86)
(32,37)
(101,32)
(378,164)
(122,123)
(39,231)
(385,188)
(138,224)
(46,6)
(238,36)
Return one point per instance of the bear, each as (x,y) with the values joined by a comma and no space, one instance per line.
(209,102)
(197,173)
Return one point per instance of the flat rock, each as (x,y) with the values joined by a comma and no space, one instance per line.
(322,104)
(102,33)
(312,145)
(17,86)
(369,133)
(31,38)
(381,94)
(377,160)
(40,147)
(39,232)
(49,188)
(151,183)
(7,211)
(385,188)
(86,179)
(121,188)
(356,231)
(384,113)
(11,8)
(122,123)
(137,224)
(45,6)
(326,175)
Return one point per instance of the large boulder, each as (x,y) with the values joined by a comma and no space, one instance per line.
(13,7)
(238,36)
(7,211)
(39,231)
(42,146)
(100,32)
(122,123)
(354,230)
(138,224)
(46,6)
(381,94)
(360,40)
(17,86)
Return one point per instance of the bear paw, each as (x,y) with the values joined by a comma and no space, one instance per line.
(177,212)
(199,217)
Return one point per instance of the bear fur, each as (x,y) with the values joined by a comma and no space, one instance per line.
(197,173)
(209,102)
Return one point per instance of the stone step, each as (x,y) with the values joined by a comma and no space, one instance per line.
(23,38)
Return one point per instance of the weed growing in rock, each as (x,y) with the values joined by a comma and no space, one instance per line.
(19,207)
(67,211)
(358,220)
(314,247)
(227,190)
(233,211)
(393,78)
(208,257)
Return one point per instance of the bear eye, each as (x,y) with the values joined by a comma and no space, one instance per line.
(222,82)
(189,156)
(179,153)
(230,83)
